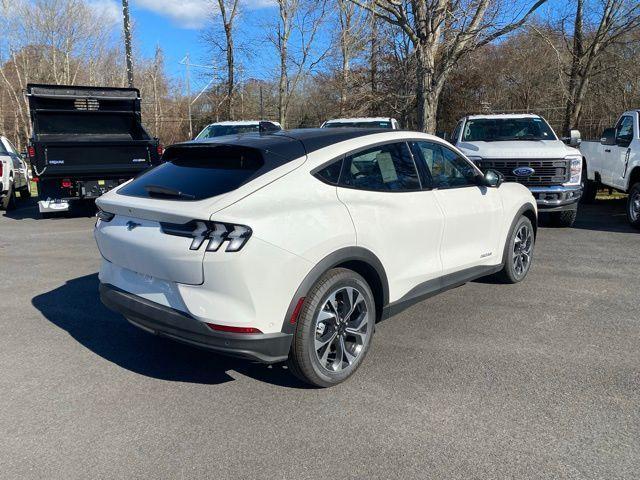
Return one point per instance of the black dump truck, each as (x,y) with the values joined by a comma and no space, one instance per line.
(85,141)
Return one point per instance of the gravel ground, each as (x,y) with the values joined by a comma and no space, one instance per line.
(536,380)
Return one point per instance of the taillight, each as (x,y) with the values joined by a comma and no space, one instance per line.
(105,216)
(160,149)
(214,233)
(227,328)
(31,151)
(1,171)
(36,179)
(66,184)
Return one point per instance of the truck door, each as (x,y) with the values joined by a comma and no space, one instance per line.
(620,152)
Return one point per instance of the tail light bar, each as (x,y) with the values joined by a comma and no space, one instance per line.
(214,233)
(31,151)
(105,216)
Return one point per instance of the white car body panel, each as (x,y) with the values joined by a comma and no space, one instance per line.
(14,168)
(297,221)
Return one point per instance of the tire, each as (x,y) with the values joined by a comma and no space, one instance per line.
(342,343)
(563,219)
(8,202)
(589,187)
(25,192)
(633,206)
(515,249)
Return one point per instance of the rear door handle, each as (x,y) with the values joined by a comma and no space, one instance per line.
(608,150)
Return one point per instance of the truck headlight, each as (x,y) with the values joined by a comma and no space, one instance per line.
(576,170)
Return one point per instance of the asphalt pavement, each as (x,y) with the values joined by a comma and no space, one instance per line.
(535,380)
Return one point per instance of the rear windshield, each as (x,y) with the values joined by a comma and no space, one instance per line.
(197,172)
(382,124)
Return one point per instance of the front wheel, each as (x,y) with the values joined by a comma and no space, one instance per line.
(519,252)
(564,219)
(633,206)
(334,329)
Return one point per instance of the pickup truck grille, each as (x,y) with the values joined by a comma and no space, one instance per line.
(546,172)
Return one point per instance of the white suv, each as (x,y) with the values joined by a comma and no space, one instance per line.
(291,245)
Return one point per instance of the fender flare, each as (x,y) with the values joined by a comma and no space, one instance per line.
(332,260)
(524,208)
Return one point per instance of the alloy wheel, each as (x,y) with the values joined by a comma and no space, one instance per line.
(341,329)
(522,247)
(634,206)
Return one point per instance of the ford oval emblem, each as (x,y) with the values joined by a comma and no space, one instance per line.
(523,171)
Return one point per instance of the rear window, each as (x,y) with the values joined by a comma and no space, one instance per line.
(221,130)
(197,172)
(381,124)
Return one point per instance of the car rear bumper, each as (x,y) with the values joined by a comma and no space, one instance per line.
(556,198)
(168,322)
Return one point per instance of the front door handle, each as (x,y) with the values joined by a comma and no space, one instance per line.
(608,150)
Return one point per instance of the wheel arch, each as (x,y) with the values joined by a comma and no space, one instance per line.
(527,210)
(360,260)
(634,177)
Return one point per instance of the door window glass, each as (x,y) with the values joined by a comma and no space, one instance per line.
(387,167)
(446,168)
(624,131)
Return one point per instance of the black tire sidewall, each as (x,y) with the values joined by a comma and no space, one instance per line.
(634,189)
(306,361)
(509,269)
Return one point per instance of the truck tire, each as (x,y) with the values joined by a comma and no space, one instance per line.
(25,192)
(633,206)
(564,219)
(518,252)
(589,188)
(329,343)
(8,202)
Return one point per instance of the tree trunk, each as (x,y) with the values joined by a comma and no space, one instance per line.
(426,94)
(570,114)
(230,69)
(282,87)
(373,64)
(127,42)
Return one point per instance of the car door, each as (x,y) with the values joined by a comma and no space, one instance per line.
(472,213)
(621,151)
(393,216)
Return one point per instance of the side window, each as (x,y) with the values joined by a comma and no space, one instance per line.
(624,131)
(3,149)
(446,168)
(331,173)
(387,167)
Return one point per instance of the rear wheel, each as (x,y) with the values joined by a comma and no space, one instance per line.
(565,218)
(633,206)
(334,329)
(8,202)
(25,192)
(519,252)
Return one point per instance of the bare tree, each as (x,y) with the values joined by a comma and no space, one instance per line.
(127,41)
(305,18)
(350,40)
(228,12)
(608,24)
(442,32)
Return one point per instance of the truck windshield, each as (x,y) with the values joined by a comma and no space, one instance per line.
(221,130)
(505,129)
(357,125)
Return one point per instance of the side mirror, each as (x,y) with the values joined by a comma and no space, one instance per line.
(608,137)
(491,178)
(574,138)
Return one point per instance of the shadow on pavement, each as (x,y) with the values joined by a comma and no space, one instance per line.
(76,308)
(604,216)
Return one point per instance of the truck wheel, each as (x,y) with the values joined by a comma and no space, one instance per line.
(633,206)
(563,219)
(518,252)
(589,187)
(25,192)
(334,329)
(8,202)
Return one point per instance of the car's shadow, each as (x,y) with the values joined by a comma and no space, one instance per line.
(76,308)
(604,216)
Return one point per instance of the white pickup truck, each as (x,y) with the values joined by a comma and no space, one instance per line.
(525,149)
(13,175)
(614,162)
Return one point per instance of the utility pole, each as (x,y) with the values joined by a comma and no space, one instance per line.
(127,41)
(188,85)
